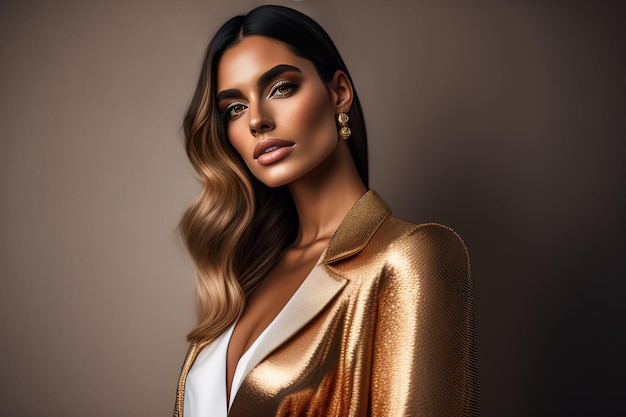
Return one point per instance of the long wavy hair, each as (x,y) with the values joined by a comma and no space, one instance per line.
(237,227)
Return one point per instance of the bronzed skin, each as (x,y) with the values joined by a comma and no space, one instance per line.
(267,92)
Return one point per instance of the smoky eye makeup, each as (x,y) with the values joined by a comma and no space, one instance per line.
(229,101)
(282,88)
(280,82)
(232,110)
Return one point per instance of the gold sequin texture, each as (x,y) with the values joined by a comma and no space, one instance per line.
(395,335)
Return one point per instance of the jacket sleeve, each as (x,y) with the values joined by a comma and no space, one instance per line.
(424,359)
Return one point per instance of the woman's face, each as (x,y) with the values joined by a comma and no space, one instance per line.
(280,115)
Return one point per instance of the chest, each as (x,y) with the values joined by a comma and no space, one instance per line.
(267,301)
(323,366)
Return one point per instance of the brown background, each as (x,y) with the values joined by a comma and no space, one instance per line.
(504,120)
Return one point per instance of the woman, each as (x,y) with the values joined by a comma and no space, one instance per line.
(312,300)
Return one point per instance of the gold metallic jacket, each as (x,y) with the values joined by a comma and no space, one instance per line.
(387,329)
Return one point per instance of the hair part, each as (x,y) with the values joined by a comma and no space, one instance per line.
(236,228)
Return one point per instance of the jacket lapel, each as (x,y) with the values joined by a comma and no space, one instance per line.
(317,290)
(320,287)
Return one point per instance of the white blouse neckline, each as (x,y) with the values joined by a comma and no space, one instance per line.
(205,389)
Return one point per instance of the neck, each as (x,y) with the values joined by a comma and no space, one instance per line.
(324,196)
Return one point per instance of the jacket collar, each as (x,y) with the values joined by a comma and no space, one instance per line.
(357,228)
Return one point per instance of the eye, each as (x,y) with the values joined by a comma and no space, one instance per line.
(282,89)
(234,110)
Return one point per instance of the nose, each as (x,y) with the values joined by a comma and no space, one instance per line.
(260,120)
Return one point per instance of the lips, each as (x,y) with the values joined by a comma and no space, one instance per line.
(268,146)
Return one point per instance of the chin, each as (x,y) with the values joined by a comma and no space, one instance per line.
(274,182)
(280,176)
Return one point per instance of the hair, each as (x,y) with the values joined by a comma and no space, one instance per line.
(237,227)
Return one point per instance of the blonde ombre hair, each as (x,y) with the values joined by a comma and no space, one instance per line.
(237,227)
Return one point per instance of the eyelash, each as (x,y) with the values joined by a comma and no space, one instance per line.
(227,114)
(280,84)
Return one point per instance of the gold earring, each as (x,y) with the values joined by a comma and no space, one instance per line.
(345,131)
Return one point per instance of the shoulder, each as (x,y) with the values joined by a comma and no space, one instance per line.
(428,250)
(425,307)
(432,239)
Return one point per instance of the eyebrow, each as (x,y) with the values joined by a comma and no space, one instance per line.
(264,79)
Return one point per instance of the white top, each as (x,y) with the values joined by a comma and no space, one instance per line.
(205,388)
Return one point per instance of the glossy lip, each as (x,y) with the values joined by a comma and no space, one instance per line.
(268,143)
(274,156)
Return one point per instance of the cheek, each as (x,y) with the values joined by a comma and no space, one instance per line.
(314,113)
(237,137)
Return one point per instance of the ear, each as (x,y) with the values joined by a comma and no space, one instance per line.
(341,92)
